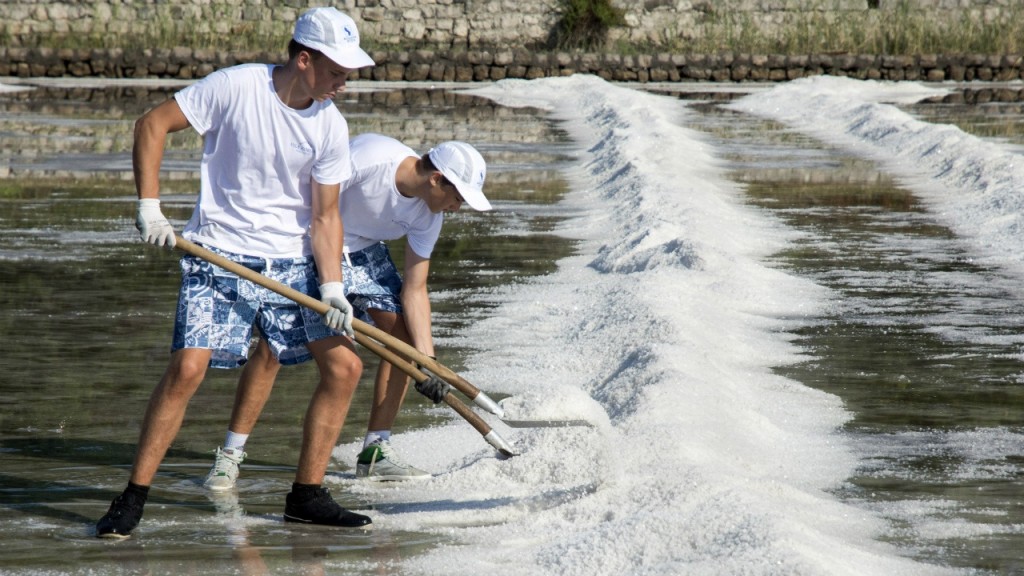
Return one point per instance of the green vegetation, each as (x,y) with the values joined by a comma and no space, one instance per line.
(167,35)
(897,30)
(585,23)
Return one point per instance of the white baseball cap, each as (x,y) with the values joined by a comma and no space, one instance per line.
(464,167)
(332,33)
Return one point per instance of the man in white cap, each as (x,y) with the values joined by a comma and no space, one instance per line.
(393,192)
(275,151)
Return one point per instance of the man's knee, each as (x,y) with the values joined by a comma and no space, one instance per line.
(184,373)
(337,360)
(344,367)
(181,379)
(189,365)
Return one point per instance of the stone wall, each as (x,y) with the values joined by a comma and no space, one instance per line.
(469,66)
(443,24)
(467,40)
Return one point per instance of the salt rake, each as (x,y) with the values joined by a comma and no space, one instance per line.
(489,434)
(364,336)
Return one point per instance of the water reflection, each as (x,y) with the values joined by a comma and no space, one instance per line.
(921,343)
(87,313)
(992,114)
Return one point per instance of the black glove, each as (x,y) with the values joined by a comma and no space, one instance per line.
(434,388)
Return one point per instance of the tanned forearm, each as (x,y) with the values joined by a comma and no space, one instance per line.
(327,232)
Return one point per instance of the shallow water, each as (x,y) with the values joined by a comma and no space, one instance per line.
(921,343)
(87,314)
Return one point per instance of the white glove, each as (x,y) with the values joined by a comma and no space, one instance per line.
(339,317)
(153,227)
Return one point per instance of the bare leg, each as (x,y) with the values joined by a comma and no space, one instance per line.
(340,369)
(390,385)
(309,501)
(254,387)
(166,411)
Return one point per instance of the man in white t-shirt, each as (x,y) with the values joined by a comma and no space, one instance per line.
(275,151)
(393,193)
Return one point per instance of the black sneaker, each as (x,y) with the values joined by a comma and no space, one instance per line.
(122,517)
(319,508)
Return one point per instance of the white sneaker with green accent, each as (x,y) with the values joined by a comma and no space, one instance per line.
(379,461)
(225,469)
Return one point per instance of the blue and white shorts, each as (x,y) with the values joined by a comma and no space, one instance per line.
(372,281)
(217,309)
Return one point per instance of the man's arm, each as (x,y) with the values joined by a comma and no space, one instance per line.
(151,132)
(327,232)
(328,239)
(416,302)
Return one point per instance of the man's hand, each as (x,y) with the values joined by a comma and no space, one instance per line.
(434,388)
(339,317)
(153,227)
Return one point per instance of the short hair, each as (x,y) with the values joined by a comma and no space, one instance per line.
(428,165)
(294,48)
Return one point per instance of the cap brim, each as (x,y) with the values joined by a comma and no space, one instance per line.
(475,198)
(351,58)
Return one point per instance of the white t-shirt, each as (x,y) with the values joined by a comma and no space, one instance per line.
(372,209)
(259,158)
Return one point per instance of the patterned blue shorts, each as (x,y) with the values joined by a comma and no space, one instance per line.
(217,309)
(372,281)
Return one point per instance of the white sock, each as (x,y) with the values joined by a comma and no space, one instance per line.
(375,435)
(235,441)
